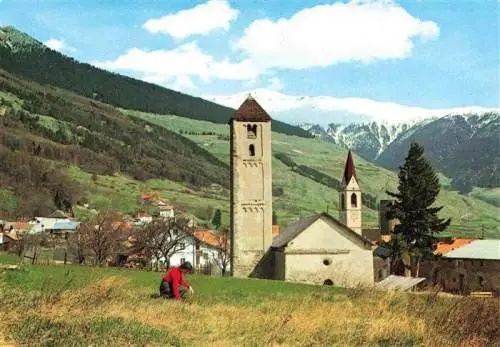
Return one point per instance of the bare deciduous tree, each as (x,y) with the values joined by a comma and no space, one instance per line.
(223,256)
(102,236)
(163,237)
(76,246)
(32,244)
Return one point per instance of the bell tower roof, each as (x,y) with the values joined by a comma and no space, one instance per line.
(349,170)
(251,111)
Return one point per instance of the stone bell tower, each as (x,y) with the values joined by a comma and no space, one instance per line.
(350,197)
(251,187)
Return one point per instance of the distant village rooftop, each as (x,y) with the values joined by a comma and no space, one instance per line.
(446,247)
(479,249)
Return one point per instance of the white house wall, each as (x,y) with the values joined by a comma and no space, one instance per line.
(189,254)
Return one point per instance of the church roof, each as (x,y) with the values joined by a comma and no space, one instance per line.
(294,229)
(251,111)
(349,170)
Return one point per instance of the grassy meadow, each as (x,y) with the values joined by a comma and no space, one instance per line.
(82,306)
(472,215)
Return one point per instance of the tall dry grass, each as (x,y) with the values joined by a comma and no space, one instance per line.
(354,318)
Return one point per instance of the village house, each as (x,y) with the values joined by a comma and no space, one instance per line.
(9,236)
(203,249)
(167,211)
(466,266)
(51,225)
(143,218)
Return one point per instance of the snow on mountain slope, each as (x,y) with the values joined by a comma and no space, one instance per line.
(366,126)
(463,147)
(324,110)
(367,139)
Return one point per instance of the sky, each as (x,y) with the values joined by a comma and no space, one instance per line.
(305,61)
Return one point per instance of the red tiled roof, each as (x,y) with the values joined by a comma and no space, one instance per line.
(22,226)
(208,237)
(167,207)
(445,247)
(122,225)
(251,111)
(349,170)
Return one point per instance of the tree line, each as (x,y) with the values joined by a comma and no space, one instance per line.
(106,240)
(47,66)
(99,139)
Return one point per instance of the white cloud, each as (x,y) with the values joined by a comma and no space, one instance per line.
(320,36)
(328,109)
(201,19)
(185,61)
(59,45)
(275,84)
(182,83)
(329,34)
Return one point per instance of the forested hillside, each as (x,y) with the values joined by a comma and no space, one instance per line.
(463,147)
(24,56)
(43,125)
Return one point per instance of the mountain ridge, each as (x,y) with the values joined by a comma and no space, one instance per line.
(386,145)
(27,57)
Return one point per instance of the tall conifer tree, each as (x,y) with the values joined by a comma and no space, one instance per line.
(217,219)
(414,208)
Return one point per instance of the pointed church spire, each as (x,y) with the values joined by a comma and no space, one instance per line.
(349,170)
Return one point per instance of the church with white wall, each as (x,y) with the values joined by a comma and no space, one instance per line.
(319,249)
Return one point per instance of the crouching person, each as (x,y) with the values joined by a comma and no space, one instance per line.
(173,285)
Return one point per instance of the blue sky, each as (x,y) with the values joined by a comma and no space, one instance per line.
(416,57)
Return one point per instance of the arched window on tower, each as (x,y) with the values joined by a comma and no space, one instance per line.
(354,200)
(342,201)
(251,150)
(251,131)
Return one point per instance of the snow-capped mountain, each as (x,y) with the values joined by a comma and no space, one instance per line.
(368,140)
(462,142)
(325,110)
(464,147)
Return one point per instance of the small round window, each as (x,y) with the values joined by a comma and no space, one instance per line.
(327,262)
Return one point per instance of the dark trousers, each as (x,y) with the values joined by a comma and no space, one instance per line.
(166,290)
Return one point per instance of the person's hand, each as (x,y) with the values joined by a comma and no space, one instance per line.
(191,290)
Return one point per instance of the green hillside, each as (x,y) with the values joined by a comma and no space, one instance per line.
(43,129)
(303,196)
(65,150)
(24,56)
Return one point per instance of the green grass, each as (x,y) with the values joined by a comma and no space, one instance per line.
(8,201)
(489,195)
(8,258)
(99,331)
(302,196)
(209,289)
(121,193)
(15,102)
(81,306)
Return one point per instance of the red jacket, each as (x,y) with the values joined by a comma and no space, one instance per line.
(176,277)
